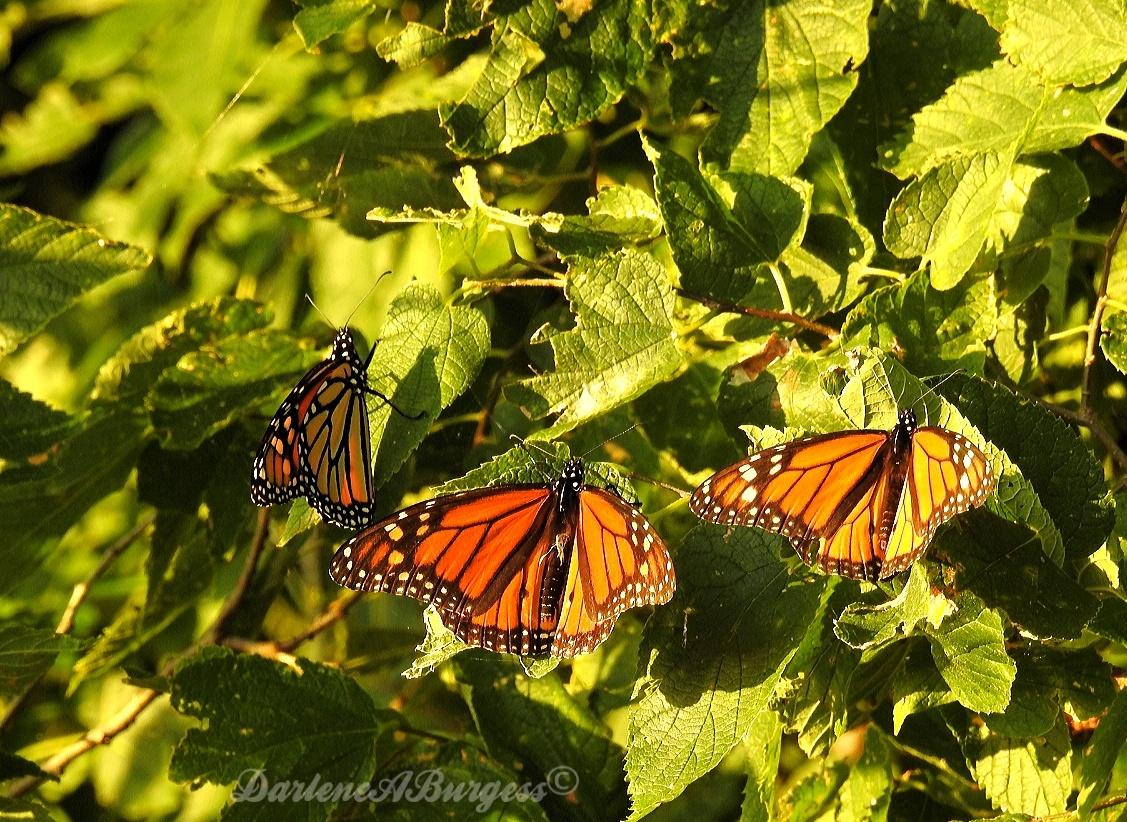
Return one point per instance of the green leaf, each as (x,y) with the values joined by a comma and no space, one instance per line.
(1100,756)
(1078,45)
(47,264)
(712,658)
(428,355)
(724,230)
(548,73)
(39,503)
(622,344)
(1113,340)
(131,372)
(969,649)
(26,653)
(868,627)
(776,73)
(1059,467)
(1003,564)
(1032,776)
(319,20)
(440,645)
(292,723)
(616,215)
(816,681)
(51,128)
(936,331)
(30,426)
(1033,710)
(415,44)
(867,792)
(997,109)
(917,687)
(221,382)
(764,744)
(345,168)
(943,216)
(555,738)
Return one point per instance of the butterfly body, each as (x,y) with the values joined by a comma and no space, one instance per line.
(863,504)
(534,569)
(317,444)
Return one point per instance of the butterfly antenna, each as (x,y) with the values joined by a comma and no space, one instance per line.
(367,294)
(932,389)
(608,439)
(317,308)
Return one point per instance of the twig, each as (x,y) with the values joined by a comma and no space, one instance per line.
(762,313)
(1098,313)
(77,597)
(681,492)
(242,586)
(336,611)
(101,735)
(124,719)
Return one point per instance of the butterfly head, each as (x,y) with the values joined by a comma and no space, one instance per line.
(344,347)
(570,484)
(906,426)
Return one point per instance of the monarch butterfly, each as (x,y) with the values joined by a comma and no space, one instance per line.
(871,498)
(531,569)
(317,444)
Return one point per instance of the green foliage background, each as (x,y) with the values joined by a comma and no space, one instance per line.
(708,221)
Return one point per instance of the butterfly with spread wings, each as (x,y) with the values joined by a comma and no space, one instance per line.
(863,504)
(317,445)
(538,569)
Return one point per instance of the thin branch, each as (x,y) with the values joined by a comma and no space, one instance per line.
(336,611)
(77,597)
(101,735)
(124,719)
(762,313)
(239,593)
(1098,313)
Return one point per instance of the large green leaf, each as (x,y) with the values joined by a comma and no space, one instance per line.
(47,264)
(319,20)
(535,724)
(30,426)
(1079,44)
(937,331)
(622,344)
(289,723)
(1031,776)
(724,231)
(550,70)
(944,215)
(427,356)
(969,649)
(712,658)
(776,72)
(1067,479)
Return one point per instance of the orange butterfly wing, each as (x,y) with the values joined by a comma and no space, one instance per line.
(511,570)
(317,444)
(279,467)
(619,562)
(947,475)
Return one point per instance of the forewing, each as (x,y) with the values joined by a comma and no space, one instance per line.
(458,552)
(800,489)
(279,467)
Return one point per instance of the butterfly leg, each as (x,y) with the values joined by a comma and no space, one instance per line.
(395,407)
